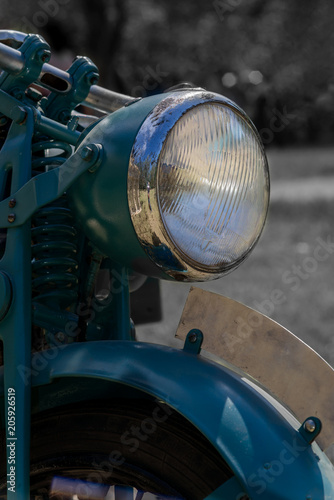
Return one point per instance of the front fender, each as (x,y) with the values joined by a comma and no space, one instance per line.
(256,436)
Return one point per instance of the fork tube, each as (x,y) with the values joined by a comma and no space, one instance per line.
(15,327)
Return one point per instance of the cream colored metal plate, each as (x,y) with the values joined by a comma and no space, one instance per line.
(260,347)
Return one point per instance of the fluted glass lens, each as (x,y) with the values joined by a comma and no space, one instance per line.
(213,186)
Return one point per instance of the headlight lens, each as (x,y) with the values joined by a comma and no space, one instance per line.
(198,186)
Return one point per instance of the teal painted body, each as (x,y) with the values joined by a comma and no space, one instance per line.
(257,437)
(96,356)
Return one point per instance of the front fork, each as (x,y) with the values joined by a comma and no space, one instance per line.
(15,308)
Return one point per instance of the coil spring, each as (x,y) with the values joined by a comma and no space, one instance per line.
(54,239)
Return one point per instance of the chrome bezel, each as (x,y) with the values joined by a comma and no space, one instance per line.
(144,210)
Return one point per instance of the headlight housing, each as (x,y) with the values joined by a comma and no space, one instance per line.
(197,185)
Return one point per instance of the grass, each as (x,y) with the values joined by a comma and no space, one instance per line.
(291,238)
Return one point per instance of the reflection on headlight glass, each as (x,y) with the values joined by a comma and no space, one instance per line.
(212,185)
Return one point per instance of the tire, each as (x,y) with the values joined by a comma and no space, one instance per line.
(138,443)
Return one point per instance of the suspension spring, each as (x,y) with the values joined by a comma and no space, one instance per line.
(54,238)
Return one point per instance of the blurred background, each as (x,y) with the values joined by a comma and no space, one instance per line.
(275,59)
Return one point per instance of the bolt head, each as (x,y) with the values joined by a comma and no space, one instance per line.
(193,338)
(92,78)
(44,55)
(11,218)
(310,425)
(86,153)
(12,203)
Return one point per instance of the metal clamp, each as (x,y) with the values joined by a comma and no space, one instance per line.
(310,429)
(46,187)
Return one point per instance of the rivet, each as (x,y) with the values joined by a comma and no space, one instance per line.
(12,203)
(310,425)
(11,218)
(267,466)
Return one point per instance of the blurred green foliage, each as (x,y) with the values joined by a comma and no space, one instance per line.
(274,57)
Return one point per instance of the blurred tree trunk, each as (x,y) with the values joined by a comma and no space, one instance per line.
(105,26)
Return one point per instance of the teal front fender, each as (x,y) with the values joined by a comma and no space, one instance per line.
(256,436)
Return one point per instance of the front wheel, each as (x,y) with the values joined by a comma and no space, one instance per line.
(121,450)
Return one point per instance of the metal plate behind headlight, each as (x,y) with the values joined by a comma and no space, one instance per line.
(198,185)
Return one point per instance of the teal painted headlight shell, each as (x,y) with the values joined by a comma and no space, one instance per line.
(99,200)
(183,188)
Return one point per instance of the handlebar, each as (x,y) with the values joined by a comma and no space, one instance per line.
(55,79)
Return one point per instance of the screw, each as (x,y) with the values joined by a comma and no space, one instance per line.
(193,338)
(92,78)
(44,55)
(12,203)
(86,153)
(11,218)
(310,425)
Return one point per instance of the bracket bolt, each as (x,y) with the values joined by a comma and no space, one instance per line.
(12,203)
(310,425)
(44,55)
(193,338)
(86,153)
(11,218)
(92,78)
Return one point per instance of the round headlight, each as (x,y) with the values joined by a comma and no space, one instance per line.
(182,189)
(198,185)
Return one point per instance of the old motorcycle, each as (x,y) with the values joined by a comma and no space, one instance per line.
(173,186)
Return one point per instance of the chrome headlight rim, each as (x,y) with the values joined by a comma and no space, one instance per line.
(145,212)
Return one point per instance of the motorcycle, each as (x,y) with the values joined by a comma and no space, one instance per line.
(102,196)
